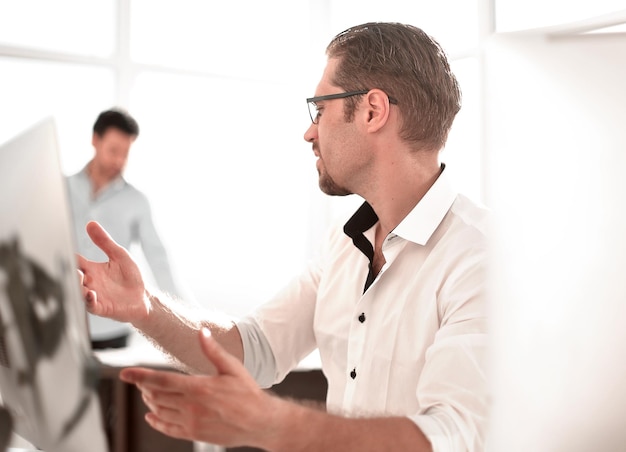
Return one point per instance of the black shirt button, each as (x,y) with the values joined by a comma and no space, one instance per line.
(353,374)
(362,317)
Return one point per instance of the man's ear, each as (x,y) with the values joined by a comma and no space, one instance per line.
(378,109)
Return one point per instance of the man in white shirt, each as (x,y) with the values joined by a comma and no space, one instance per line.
(395,300)
(100,193)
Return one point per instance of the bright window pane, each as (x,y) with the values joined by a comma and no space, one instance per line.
(244,38)
(230,176)
(453,23)
(72,94)
(72,26)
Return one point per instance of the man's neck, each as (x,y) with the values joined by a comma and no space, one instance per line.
(98,180)
(396,198)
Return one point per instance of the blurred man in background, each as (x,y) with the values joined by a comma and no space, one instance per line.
(100,192)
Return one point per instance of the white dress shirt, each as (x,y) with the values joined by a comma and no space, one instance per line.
(413,344)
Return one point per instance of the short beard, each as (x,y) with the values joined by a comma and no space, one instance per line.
(328,186)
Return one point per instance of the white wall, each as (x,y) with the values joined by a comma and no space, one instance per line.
(556,150)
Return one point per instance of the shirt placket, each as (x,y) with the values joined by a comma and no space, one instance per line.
(360,324)
(356,343)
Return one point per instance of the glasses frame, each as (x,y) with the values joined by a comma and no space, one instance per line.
(314,100)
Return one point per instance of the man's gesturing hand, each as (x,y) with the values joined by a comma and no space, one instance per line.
(113,289)
(228,408)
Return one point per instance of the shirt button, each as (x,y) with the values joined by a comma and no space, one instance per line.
(362,317)
(353,374)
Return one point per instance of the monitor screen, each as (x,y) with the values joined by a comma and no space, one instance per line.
(48,374)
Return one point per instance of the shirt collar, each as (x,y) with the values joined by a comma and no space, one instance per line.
(421,221)
(116,184)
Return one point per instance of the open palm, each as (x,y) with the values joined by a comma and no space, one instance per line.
(113,289)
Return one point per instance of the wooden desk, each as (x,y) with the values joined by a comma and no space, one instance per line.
(123,409)
(123,414)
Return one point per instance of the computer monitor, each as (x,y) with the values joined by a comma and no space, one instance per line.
(48,374)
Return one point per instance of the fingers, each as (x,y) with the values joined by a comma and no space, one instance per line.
(103,240)
(163,402)
(224,362)
(175,430)
(81,277)
(167,406)
(141,376)
(90,297)
(164,392)
(82,266)
(151,379)
(115,288)
(91,301)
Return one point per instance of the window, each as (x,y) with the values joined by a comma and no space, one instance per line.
(67,26)
(218,90)
(34,89)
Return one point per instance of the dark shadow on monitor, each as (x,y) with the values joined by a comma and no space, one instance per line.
(48,375)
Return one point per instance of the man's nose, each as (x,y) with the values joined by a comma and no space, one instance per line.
(310,133)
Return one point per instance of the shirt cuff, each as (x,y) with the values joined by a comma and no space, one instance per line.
(442,438)
(258,357)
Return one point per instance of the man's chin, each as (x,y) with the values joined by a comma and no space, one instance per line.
(333,189)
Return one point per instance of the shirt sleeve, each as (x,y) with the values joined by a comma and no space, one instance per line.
(457,424)
(453,389)
(258,358)
(155,252)
(285,323)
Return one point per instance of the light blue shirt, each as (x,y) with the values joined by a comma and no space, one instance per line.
(125,213)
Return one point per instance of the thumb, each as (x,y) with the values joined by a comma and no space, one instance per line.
(224,362)
(104,241)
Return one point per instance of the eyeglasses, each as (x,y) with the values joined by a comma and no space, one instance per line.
(312,102)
